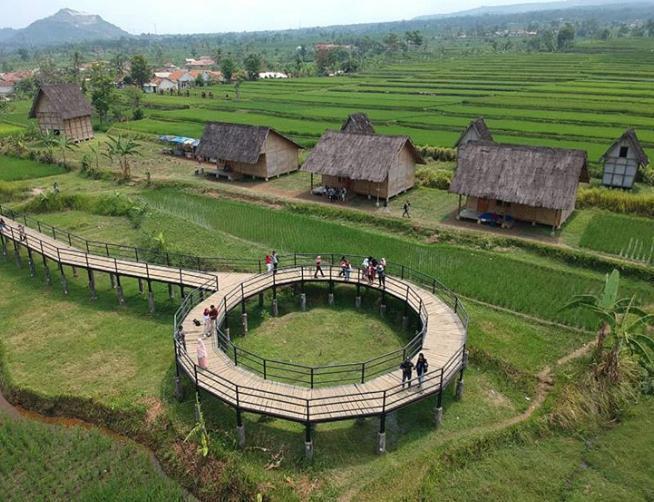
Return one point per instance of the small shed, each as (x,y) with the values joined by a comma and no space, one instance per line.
(249,150)
(358,123)
(476,131)
(366,164)
(622,161)
(533,184)
(63,109)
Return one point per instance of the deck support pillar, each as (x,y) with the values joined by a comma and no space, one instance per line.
(357,302)
(46,270)
(64,281)
(244,322)
(3,241)
(308,443)
(150,297)
(179,391)
(141,289)
(171,294)
(75,274)
(182,291)
(275,308)
(112,279)
(330,299)
(240,429)
(438,416)
(119,290)
(405,321)
(381,436)
(94,295)
(30,262)
(382,309)
(17,254)
(458,394)
(260,299)
(303,302)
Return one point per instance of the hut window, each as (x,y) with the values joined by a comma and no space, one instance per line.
(624,151)
(501,203)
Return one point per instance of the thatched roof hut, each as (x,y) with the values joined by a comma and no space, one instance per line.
(365,163)
(538,184)
(358,123)
(63,109)
(622,160)
(476,131)
(245,149)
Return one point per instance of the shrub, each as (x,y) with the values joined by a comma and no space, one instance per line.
(138,114)
(616,200)
(648,175)
(437,153)
(432,178)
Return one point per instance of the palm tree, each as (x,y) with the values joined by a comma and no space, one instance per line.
(122,148)
(64,143)
(622,327)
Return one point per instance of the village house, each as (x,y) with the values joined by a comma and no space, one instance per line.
(63,109)
(363,162)
(9,80)
(532,184)
(272,74)
(622,161)
(255,151)
(203,63)
(476,131)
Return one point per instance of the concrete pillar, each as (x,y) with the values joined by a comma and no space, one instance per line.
(119,291)
(405,322)
(303,302)
(151,301)
(46,271)
(140,285)
(382,309)
(171,293)
(330,298)
(3,242)
(179,392)
(260,299)
(64,281)
(275,308)
(357,302)
(94,295)
(244,322)
(19,263)
(308,443)
(240,433)
(438,416)
(75,272)
(112,279)
(30,263)
(459,390)
(381,443)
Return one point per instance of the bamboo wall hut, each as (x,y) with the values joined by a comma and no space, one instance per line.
(255,151)
(63,109)
(533,184)
(358,123)
(476,131)
(366,164)
(622,161)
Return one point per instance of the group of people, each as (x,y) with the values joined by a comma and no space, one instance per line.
(335,194)
(210,325)
(373,268)
(272,262)
(421,366)
(210,320)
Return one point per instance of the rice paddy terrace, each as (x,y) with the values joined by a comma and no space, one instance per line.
(578,100)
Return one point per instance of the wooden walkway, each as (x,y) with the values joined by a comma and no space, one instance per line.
(443,343)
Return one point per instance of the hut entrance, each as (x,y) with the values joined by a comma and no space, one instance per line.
(482,205)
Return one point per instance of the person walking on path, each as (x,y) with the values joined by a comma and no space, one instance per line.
(3,225)
(21,233)
(207,321)
(180,337)
(275,261)
(318,267)
(421,368)
(406,367)
(381,275)
(406,210)
(213,321)
(269,264)
(202,354)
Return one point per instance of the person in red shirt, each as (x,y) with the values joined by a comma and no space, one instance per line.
(213,318)
(269,263)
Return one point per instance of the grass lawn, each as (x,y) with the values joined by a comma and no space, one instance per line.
(12,169)
(43,461)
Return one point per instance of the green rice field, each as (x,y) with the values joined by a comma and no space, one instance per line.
(13,169)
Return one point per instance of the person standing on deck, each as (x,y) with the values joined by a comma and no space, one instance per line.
(269,264)
(213,321)
(202,354)
(180,337)
(318,267)
(381,275)
(207,321)
(407,368)
(3,225)
(275,261)
(421,368)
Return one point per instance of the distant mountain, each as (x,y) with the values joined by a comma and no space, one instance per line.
(533,7)
(65,26)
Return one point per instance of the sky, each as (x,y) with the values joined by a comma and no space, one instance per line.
(204,16)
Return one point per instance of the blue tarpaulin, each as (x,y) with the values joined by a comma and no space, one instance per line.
(179,140)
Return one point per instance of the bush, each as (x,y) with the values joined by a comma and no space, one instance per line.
(138,114)
(437,153)
(648,175)
(616,200)
(432,178)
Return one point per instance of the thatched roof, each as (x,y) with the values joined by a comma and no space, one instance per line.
(480,127)
(67,100)
(533,176)
(235,142)
(358,123)
(630,137)
(358,156)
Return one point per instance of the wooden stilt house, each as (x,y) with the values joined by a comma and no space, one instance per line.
(533,184)
(239,149)
(63,109)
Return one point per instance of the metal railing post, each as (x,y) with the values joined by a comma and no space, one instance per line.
(312,377)
(363,372)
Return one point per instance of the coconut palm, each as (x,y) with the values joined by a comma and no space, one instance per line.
(122,148)
(622,327)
